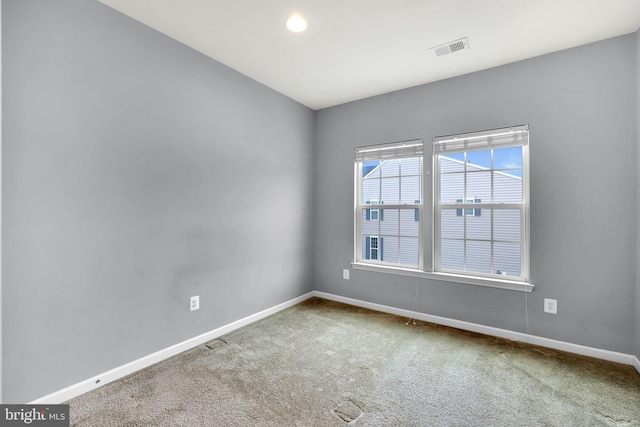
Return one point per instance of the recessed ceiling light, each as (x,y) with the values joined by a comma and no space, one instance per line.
(296,24)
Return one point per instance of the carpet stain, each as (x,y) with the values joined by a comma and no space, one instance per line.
(347,411)
(215,344)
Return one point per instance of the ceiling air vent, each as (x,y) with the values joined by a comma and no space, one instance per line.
(451,47)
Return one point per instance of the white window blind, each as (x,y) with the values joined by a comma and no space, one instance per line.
(497,138)
(393,150)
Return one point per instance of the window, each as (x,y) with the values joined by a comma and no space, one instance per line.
(469,212)
(481,203)
(389,175)
(372,242)
(478,230)
(373,213)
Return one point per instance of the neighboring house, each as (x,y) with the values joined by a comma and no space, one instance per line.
(398,243)
(391,235)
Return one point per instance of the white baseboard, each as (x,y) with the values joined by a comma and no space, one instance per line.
(612,356)
(131,367)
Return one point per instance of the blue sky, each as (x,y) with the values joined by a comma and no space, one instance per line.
(504,158)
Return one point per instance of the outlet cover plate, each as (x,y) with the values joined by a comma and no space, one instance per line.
(550,306)
(345,274)
(194,303)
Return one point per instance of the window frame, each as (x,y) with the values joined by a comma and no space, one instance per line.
(524,206)
(388,151)
(427,225)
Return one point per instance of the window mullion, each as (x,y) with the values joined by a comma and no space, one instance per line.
(464,217)
(421,244)
(436,232)
(524,237)
(492,266)
(357,173)
(399,200)
(380,199)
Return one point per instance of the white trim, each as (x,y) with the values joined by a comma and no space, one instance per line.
(611,356)
(484,140)
(490,282)
(357,224)
(459,144)
(391,150)
(131,367)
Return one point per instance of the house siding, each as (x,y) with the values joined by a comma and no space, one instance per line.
(398,229)
(487,250)
(392,182)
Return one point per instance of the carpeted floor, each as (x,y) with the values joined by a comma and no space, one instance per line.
(322,363)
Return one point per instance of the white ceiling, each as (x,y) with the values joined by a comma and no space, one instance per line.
(353,49)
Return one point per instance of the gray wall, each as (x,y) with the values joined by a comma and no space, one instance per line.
(137,173)
(638,192)
(582,119)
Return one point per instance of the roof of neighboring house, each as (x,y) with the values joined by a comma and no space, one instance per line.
(451,160)
(482,167)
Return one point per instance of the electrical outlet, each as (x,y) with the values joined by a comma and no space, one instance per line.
(550,306)
(345,274)
(195,303)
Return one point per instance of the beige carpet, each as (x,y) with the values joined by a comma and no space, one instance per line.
(322,363)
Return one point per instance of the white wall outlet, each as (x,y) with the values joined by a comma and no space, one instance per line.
(345,274)
(194,303)
(550,306)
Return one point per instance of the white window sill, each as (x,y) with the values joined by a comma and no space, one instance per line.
(512,285)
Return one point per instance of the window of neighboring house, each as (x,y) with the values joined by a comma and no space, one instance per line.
(389,175)
(469,212)
(373,247)
(481,203)
(373,213)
